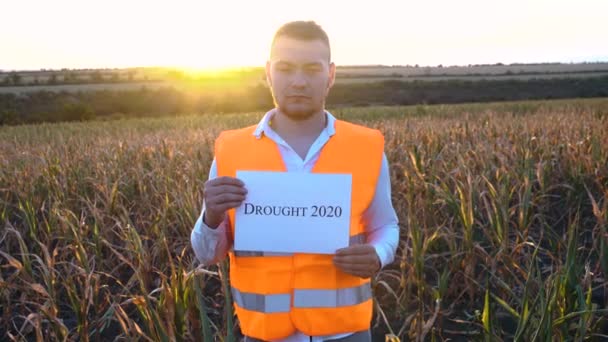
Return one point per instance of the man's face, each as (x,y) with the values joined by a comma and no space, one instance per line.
(300,75)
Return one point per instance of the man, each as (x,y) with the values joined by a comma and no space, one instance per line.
(301,297)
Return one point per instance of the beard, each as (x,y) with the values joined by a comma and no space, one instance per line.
(297,114)
(299,111)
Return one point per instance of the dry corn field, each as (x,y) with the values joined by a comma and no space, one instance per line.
(503,213)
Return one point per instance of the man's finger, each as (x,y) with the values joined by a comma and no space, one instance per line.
(352,267)
(223,198)
(361,264)
(355,259)
(356,249)
(229,188)
(367,269)
(225,180)
(232,188)
(228,205)
(363,273)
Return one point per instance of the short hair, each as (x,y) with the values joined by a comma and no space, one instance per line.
(303,30)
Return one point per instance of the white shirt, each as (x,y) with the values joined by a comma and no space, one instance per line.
(381,224)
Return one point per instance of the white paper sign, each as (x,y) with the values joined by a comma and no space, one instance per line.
(293,212)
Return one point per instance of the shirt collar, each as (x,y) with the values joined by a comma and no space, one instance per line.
(264,124)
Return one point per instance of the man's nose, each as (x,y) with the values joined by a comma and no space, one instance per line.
(299,80)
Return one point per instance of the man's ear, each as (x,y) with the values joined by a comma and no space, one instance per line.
(332,75)
(268,78)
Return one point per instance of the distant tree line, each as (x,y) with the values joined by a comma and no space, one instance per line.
(396,92)
(14,78)
(49,106)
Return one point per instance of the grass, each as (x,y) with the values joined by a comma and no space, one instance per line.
(503,211)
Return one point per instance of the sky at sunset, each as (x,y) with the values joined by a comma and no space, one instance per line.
(217,34)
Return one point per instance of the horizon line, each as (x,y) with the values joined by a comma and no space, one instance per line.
(232,68)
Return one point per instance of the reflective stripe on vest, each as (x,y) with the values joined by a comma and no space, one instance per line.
(332,298)
(316,298)
(354,240)
(272,303)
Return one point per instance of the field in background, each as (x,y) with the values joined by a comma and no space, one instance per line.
(476,70)
(503,212)
(153,78)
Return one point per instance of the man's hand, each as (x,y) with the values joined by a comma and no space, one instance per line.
(358,260)
(221,194)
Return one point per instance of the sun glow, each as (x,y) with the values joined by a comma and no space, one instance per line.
(204,35)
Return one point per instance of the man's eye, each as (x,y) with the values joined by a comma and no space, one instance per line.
(284,68)
(313,69)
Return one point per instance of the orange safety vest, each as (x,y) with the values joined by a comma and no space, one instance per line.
(276,294)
